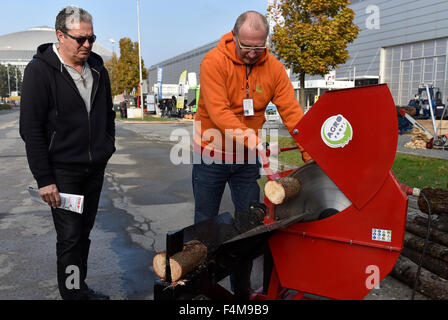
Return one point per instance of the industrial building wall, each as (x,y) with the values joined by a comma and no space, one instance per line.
(172,68)
(405,47)
(407,66)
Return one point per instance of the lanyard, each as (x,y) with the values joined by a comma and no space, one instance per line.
(247,79)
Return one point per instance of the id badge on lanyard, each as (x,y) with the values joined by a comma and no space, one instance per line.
(248,104)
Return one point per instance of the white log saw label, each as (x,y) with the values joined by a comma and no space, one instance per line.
(336,131)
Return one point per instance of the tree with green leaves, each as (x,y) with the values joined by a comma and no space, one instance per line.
(13,84)
(311,36)
(111,66)
(124,71)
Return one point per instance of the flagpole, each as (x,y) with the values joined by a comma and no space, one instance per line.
(140,62)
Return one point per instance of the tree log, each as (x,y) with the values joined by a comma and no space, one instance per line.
(434,265)
(193,254)
(429,284)
(433,249)
(282,190)
(420,230)
(439,225)
(437,198)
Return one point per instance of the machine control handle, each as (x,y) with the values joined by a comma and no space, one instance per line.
(264,152)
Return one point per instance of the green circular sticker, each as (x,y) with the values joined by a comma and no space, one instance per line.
(336,131)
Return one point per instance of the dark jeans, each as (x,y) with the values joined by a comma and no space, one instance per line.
(209,182)
(73,229)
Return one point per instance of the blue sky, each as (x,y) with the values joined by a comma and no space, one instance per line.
(168,27)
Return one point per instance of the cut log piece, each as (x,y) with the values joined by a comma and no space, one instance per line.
(434,265)
(433,249)
(438,200)
(435,235)
(429,284)
(193,255)
(282,190)
(439,225)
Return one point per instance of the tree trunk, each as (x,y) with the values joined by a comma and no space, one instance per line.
(429,284)
(434,265)
(433,249)
(438,200)
(302,97)
(420,230)
(282,190)
(181,263)
(441,226)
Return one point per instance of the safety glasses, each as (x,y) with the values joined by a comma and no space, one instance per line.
(246,48)
(81,40)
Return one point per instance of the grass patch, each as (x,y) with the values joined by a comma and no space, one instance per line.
(412,170)
(420,172)
(5,107)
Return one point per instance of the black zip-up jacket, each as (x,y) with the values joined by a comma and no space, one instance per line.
(54,122)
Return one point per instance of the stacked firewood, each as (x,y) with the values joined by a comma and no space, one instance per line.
(418,140)
(433,278)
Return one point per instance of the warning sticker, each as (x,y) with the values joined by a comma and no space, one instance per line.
(382,235)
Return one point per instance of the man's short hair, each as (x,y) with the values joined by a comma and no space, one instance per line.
(255,23)
(70,17)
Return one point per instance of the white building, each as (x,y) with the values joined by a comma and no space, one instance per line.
(18,48)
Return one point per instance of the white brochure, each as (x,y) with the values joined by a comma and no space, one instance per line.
(71,202)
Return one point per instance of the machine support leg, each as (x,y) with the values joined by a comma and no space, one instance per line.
(242,281)
(274,286)
(268,265)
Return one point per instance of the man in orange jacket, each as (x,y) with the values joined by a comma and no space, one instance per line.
(238,80)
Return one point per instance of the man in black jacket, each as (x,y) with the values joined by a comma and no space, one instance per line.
(67,123)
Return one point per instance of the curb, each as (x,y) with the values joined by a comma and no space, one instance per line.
(155,122)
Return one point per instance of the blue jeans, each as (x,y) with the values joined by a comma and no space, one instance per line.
(209,182)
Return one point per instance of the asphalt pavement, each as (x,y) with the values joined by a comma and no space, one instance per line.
(144,196)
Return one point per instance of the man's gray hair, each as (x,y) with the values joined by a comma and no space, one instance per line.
(256,24)
(70,18)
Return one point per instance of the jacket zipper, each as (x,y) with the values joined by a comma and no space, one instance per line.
(88,112)
(88,115)
(51,140)
(90,137)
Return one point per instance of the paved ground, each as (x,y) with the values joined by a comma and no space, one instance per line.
(431,153)
(144,196)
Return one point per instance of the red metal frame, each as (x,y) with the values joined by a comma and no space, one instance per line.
(334,257)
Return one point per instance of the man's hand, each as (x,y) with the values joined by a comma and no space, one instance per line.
(50,195)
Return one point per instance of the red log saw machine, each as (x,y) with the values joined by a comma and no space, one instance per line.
(345,227)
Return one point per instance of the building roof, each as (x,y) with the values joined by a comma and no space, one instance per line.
(23,44)
(186,55)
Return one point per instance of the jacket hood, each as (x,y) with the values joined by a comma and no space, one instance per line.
(227,46)
(45,53)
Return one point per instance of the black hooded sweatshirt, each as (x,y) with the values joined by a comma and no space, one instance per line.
(54,122)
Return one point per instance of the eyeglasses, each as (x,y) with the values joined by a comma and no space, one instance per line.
(81,40)
(245,48)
